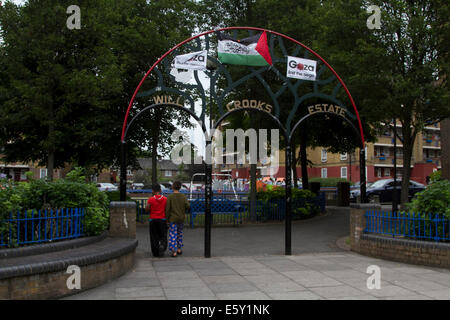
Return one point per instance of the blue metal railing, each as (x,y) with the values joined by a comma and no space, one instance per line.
(419,226)
(40,226)
(224,213)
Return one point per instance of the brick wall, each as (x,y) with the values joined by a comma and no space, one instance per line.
(409,251)
(402,250)
(54,285)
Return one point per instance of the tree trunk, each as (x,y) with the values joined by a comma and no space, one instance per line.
(304,160)
(409,136)
(51,145)
(50,165)
(407,154)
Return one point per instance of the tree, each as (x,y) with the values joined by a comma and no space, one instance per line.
(397,72)
(64,93)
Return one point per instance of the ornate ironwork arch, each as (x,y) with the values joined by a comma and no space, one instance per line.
(222,87)
(172,105)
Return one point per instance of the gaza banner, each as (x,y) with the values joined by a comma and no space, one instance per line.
(192,61)
(303,69)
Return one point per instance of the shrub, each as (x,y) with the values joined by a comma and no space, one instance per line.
(302,202)
(115,196)
(434,199)
(436,176)
(71,192)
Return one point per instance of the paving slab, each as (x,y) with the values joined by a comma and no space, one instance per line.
(279,287)
(337,292)
(311,279)
(295,295)
(245,295)
(139,292)
(438,294)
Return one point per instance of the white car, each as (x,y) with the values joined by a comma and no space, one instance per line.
(107,187)
(137,186)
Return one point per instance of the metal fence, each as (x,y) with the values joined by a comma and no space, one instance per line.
(226,209)
(419,226)
(40,226)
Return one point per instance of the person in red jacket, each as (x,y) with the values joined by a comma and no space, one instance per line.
(156,204)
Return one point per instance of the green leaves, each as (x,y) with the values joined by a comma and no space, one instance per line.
(66,91)
(72,192)
(434,199)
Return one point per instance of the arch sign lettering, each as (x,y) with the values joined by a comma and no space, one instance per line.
(284,80)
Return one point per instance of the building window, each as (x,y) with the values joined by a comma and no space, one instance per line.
(365,151)
(324,172)
(168,173)
(387,172)
(324,155)
(344,172)
(129,173)
(43,173)
(343,156)
(379,173)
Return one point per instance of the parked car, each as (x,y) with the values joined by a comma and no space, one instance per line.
(384,190)
(107,187)
(137,186)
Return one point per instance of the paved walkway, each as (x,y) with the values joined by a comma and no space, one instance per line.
(302,277)
(248,263)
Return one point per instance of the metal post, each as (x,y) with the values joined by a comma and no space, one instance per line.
(395,196)
(288,229)
(362,170)
(252,203)
(208,198)
(123,171)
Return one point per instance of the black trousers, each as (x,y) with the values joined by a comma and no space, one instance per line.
(158,237)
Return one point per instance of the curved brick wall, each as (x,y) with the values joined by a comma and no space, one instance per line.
(426,253)
(45,276)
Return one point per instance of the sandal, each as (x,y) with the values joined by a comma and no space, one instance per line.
(173,254)
(179,252)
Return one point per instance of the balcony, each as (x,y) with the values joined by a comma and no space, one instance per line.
(387,161)
(431,143)
(434,160)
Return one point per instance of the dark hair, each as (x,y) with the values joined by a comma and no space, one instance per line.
(176,185)
(156,188)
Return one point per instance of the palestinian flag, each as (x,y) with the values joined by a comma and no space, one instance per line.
(252,51)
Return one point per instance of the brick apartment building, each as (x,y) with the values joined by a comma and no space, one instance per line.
(379,159)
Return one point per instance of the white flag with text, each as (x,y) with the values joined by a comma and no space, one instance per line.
(192,61)
(300,68)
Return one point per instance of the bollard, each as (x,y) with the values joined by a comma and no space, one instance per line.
(343,194)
